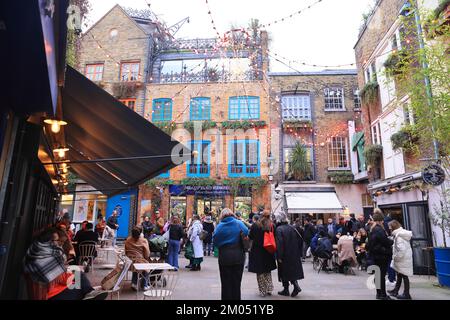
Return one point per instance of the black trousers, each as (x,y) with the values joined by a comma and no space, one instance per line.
(383,265)
(75,294)
(231,278)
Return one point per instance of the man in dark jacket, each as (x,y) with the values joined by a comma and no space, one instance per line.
(112,223)
(88,236)
(208,225)
(289,254)
(309,232)
(147,227)
(380,251)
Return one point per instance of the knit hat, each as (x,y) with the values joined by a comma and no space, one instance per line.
(378,217)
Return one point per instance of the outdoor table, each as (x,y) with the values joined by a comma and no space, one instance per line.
(103,251)
(150,267)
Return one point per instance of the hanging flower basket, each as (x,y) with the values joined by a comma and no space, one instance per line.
(373,154)
(369,93)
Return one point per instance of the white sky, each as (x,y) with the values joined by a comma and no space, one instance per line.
(325,34)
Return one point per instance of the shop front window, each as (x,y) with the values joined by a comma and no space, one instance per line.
(243,205)
(178,207)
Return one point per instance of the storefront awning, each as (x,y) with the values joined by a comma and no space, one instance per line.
(101,127)
(313,202)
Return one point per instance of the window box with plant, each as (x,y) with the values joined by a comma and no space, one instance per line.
(245,125)
(166,126)
(297,123)
(397,63)
(123,90)
(405,139)
(198,182)
(369,93)
(341,177)
(207,124)
(373,155)
(237,184)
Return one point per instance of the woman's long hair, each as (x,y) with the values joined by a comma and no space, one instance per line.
(265,222)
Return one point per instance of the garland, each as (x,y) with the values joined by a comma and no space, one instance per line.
(189,125)
(198,182)
(166,126)
(340,177)
(243,124)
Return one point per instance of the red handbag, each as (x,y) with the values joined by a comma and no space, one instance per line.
(269,241)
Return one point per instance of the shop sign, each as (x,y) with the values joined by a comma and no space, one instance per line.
(181,190)
(433,174)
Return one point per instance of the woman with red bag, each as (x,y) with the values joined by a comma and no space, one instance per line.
(289,255)
(261,261)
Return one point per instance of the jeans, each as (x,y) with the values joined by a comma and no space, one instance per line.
(172,256)
(390,272)
(143,278)
(208,247)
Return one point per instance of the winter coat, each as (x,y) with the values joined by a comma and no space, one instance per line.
(227,237)
(309,232)
(137,250)
(193,234)
(346,250)
(379,245)
(208,226)
(402,260)
(289,252)
(260,260)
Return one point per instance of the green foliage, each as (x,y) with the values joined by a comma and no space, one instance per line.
(369,93)
(166,126)
(406,139)
(297,123)
(299,166)
(207,124)
(245,125)
(158,182)
(237,183)
(397,63)
(72,180)
(198,182)
(441,216)
(373,154)
(341,177)
(125,89)
(212,74)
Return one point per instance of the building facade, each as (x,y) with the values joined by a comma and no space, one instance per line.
(317,113)
(396,179)
(210,95)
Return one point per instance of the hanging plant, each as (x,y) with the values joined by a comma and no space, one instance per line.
(373,154)
(125,89)
(166,126)
(245,125)
(369,93)
(396,64)
(341,177)
(206,124)
(158,182)
(198,182)
(405,139)
(238,183)
(297,123)
(299,166)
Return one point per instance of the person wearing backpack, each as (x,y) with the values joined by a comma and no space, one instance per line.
(208,225)
(289,246)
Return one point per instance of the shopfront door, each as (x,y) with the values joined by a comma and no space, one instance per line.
(209,206)
(419,223)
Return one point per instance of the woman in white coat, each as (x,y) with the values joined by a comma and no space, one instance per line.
(402,261)
(194,236)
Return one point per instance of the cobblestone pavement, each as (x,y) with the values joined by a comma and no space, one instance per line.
(205,285)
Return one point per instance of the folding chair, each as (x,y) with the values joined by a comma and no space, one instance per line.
(87,251)
(162,286)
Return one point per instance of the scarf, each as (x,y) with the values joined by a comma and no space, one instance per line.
(44,261)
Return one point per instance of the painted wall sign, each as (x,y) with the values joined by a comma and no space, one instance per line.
(433,174)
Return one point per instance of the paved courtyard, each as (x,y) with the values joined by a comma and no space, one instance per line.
(205,285)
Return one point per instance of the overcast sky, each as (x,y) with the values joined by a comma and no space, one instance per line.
(325,34)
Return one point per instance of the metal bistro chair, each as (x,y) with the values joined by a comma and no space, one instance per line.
(87,251)
(134,255)
(162,286)
(126,264)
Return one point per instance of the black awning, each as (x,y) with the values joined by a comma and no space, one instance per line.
(101,127)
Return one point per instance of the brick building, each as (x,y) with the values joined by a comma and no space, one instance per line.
(319,112)
(396,177)
(208,94)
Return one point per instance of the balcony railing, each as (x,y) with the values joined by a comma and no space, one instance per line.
(201,77)
(209,43)
(244,169)
(198,169)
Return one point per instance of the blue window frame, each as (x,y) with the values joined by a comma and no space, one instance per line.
(198,166)
(200,108)
(243,158)
(162,110)
(243,107)
(164,175)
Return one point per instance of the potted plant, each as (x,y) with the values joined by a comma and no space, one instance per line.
(300,167)
(441,218)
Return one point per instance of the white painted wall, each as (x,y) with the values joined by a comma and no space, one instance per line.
(393,160)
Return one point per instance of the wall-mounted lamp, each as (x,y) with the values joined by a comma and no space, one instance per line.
(55,124)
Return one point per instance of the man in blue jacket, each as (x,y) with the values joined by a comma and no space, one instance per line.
(228,239)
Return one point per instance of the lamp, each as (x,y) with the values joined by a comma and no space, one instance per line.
(61,151)
(55,124)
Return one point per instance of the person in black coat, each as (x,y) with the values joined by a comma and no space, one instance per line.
(380,250)
(261,261)
(309,232)
(87,236)
(289,255)
(208,225)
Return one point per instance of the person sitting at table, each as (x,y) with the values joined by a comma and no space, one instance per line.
(45,263)
(346,252)
(87,235)
(359,243)
(66,244)
(137,249)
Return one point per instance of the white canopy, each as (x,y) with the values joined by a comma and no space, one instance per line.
(313,202)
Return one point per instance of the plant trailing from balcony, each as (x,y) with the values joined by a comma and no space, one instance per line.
(405,139)
(369,93)
(373,154)
(166,126)
(206,124)
(299,166)
(198,182)
(245,125)
(125,89)
(158,182)
(237,184)
(297,123)
(397,63)
(341,177)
